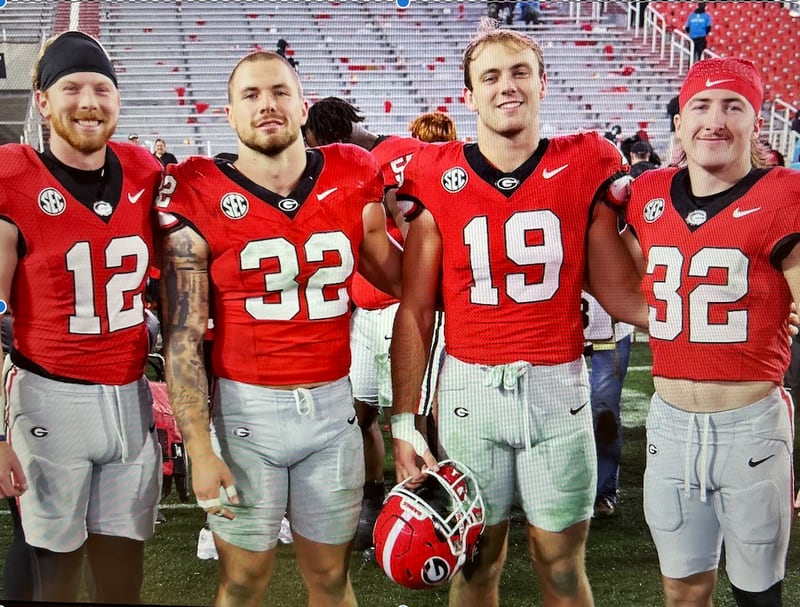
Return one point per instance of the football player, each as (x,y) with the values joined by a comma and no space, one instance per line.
(719,237)
(511,225)
(276,235)
(75,247)
(334,120)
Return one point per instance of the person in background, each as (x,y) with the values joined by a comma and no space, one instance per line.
(18,571)
(610,348)
(433,127)
(641,152)
(161,153)
(282,46)
(698,26)
(530,12)
(334,120)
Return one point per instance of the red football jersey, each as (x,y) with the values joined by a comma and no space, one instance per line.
(513,244)
(77,296)
(718,299)
(281,266)
(393,154)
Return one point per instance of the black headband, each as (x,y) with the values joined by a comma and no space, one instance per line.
(73,52)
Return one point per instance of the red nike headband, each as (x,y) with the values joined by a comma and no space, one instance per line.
(728,73)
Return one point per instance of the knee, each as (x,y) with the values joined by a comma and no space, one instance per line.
(564,578)
(239,592)
(696,590)
(330,580)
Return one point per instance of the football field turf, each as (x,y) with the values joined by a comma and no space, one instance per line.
(621,560)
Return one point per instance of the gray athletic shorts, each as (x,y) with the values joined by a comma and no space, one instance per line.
(290,451)
(523,430)
(91,456)
(721,477)
(370,369)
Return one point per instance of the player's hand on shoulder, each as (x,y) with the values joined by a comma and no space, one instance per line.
(12,479)
(209,474)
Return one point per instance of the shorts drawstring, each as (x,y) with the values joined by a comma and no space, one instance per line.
(121,434)
(303,401)
(703,470)
(704,458)
(508,376)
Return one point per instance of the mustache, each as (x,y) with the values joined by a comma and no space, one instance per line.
(99,116)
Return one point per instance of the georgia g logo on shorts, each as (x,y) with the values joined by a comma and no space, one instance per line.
(435,570)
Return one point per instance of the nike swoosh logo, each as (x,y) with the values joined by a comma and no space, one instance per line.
(710,83)
(737,213)
(135,198)
(325,194)
(351,420)
(756,462)
(577,410)
(548,174)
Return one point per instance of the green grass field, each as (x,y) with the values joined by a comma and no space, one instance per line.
(621,561)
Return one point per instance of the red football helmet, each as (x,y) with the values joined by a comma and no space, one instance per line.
(425,535)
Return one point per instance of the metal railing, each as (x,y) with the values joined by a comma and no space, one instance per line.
(779,130)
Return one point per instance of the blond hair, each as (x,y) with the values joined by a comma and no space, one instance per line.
(489,32)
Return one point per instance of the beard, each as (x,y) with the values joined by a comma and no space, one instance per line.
(86,144)
(268,145)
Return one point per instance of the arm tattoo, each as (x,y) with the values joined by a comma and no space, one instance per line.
(185,293)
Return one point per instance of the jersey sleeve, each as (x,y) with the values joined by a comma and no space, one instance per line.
(787,233)
(177,201)
(373,178)
(409,193)
(615,189)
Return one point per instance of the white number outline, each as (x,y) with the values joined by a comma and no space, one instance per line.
(85,320)
(284,281)
(733,261)
(549,254)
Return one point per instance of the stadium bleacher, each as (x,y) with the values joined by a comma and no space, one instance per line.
(174,59)
(764,32)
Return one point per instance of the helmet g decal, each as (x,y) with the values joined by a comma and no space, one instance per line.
(424,536)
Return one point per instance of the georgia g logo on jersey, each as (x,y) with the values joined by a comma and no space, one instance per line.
(234,205)
(454,180)
(52,202)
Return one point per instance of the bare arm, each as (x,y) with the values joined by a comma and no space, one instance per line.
(12,478)
(413,331)
(380,260)
(184,296)
(390,201)
(791,271)
(612,276)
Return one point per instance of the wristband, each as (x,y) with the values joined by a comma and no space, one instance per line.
(403,428)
